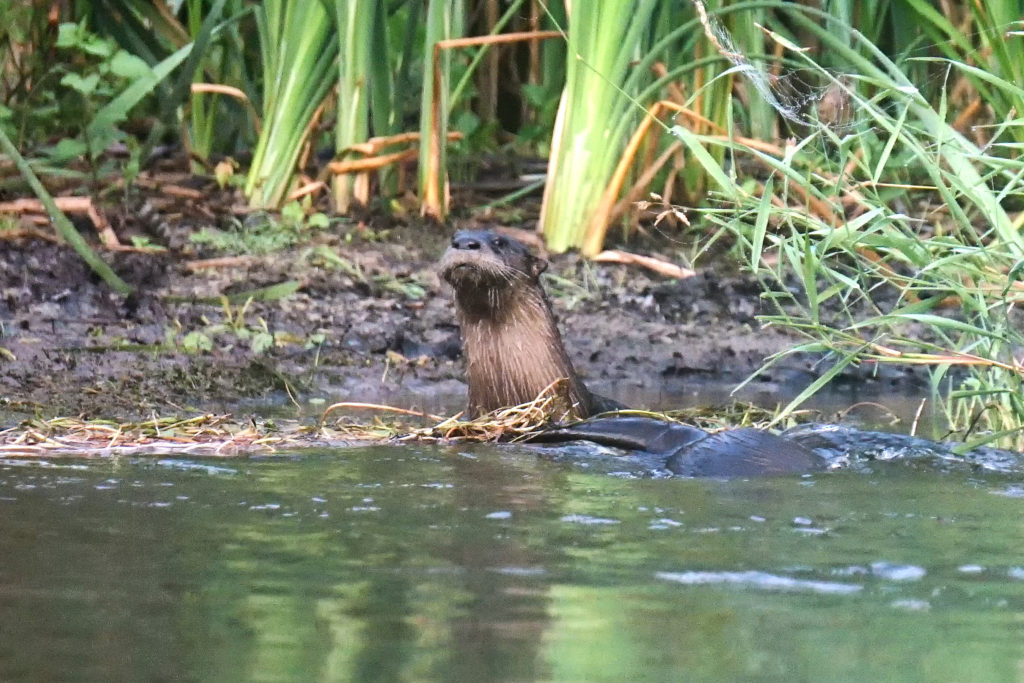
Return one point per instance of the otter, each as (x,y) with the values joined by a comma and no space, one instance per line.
(514,352)
(512,347)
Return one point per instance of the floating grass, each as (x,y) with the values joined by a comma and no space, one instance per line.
(224,435)
(207,435)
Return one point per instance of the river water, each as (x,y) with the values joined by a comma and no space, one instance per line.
(480,563)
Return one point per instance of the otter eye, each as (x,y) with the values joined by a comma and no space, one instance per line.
(499,242)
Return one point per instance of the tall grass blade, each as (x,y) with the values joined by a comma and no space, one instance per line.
(355,20)
(604,40)
(298,71)
(444,22)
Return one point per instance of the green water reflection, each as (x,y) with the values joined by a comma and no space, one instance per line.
(479,564)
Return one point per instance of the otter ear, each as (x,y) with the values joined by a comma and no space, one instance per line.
(538,266)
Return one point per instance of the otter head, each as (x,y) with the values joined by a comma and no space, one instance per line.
(512,348)
(484,268)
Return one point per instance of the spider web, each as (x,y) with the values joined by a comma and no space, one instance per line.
(794,98)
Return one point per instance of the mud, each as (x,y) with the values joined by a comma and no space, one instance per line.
(375,324)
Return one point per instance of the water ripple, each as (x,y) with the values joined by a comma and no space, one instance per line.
(587,519)
(761,580)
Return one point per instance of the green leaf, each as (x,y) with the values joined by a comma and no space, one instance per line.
(261,342)
(97,46)
(711,167)
(85,86)
(536,95)
(466,122)
(129,66)
(319,221)
(67,149)
(271,293)
(764,210)
(196,342)
(939,322)
(292,213)
(77,37)
(102,129)
(68,35)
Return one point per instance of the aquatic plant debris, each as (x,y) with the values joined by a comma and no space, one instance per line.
(225,435)
(207,434)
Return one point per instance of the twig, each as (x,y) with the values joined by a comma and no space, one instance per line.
(377,406)
(649,262)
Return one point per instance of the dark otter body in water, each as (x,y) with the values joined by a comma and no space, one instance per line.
(514,352)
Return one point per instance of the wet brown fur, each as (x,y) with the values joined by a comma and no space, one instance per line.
(512,347)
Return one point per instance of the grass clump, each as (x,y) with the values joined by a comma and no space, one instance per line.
(893,237)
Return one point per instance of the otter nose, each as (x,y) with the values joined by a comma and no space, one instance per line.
(467,242)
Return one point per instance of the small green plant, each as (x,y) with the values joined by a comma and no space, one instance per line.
(264,233)
(194,342)
(234,329)
(408,287)
(144,242)
(103,83)
(330,259)
(78,88)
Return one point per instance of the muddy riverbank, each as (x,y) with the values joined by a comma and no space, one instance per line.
(350,312)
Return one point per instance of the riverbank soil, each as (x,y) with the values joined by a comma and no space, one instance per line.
(350,312)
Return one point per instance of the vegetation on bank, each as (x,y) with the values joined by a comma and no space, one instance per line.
(860,157)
